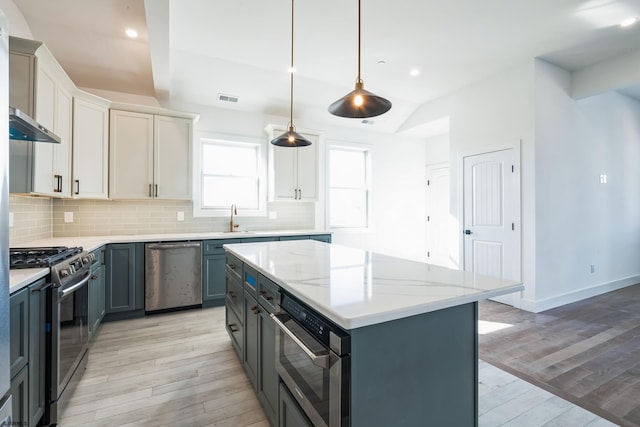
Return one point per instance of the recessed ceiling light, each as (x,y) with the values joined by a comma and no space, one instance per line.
(382,62)
(414,72)
(629,21)
(131,33)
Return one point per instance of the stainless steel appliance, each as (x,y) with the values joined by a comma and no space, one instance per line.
(24,128)
(5,380)
(173,275)
(68,339)
(313,360)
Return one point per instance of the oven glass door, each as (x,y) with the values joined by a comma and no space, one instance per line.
(73,338)
(305,371)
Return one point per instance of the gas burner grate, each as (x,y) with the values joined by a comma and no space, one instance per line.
(40,256)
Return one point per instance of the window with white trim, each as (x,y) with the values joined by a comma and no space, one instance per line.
(230,173)
(349,187)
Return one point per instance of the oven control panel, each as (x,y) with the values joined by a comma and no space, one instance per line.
(323,329)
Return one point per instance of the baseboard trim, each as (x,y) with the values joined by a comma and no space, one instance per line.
(536,306)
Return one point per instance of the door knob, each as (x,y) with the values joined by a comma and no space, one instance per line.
(467,231)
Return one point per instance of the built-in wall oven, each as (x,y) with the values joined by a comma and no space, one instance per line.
(313,361)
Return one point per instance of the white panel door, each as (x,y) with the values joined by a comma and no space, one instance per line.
(44,181)
(439,237)
(307,169)
(62,151)
(491,239)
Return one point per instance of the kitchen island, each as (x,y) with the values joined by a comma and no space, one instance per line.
(412,326)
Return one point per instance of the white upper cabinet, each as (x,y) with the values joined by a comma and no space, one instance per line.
(90,147)
(172,157)
(149,156)
(293,171)
(40,87)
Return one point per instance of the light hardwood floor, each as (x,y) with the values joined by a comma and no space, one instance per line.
(179,369)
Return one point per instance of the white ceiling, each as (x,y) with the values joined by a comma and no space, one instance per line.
(241,47)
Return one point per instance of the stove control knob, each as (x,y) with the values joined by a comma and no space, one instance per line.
(72,269)
(64,273)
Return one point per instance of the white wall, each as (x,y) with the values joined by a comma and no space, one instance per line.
(581,222)
(495,113)
(18,26)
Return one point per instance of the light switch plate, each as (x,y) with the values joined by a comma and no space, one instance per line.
(68,217)
(180,216)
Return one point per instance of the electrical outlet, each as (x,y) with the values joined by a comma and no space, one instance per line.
(593,268)
(68,217)
(180,216)
(10,219)
(273,215)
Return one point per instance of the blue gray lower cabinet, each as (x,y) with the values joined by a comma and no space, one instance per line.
(290,414)
(27,350)
(249,302)
(124,287)
(97,292)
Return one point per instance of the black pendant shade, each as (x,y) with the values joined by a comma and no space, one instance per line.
(368,105)
(291,138)
(360,103)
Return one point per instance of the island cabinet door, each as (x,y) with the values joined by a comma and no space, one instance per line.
(290,413)
(267,374)
(235,329)
(250,362)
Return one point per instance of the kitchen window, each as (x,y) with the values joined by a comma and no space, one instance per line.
(349,187)
(230,173)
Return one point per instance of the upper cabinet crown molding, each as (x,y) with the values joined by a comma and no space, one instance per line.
(158,111)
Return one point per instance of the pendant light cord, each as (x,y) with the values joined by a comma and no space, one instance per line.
(291,72)
(359,79)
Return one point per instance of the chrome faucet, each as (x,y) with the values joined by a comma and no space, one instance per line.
(232,224)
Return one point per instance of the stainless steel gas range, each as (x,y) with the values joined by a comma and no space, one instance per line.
(67,320)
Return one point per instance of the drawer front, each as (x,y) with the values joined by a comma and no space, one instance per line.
(250,280)
(234,267)
(267,294)
(235,296)
(235,329)
(214,247)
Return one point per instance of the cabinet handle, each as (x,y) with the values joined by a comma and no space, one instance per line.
(156,190)
(268,298)
(232,294)
(77,186)
(299,194)
(150,193)
(255,309)
(58,184)
(94,277)
(231,327)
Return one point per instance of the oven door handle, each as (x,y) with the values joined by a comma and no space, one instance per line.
(65,292)
(321,360)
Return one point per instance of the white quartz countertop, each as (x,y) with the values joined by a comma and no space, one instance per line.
(20,278)
(356,288)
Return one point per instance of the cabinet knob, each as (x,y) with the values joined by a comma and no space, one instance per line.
(232,327)
(232,294)
(255,309)
(94,277)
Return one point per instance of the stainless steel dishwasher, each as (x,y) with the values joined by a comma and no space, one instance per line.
(173,275)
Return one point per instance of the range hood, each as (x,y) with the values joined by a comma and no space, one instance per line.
(24,128)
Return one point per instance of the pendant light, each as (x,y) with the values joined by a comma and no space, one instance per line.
(291,138)
(360,103)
